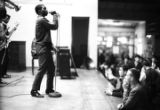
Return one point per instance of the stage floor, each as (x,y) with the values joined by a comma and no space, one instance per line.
(85,92)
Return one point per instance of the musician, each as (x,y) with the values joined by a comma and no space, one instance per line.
(3,49)
(44,48)
(2,38)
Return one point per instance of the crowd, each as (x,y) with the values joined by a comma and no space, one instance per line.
(136,81)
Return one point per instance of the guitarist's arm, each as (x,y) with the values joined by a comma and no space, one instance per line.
(9,33)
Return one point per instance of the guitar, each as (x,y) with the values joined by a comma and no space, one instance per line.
(5,43)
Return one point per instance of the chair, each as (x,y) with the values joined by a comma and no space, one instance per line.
(33,58)
(34,54)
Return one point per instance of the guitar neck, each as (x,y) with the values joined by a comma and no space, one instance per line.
(12,31)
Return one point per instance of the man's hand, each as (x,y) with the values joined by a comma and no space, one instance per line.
(55,50)
(119,106)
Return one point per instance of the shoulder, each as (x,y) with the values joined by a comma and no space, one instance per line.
(137,89)
(41,20)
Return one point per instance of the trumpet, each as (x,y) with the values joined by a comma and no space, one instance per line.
(12,5)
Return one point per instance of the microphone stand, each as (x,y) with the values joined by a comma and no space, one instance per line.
(56,58)
(55,80)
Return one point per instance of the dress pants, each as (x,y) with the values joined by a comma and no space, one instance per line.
(3,62)
(46,65)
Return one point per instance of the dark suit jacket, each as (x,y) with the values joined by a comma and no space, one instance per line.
(137,99)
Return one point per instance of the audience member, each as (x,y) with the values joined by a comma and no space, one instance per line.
(137,62)
(137,98)
(109,75)
(152,82)
(126,62)
(118,91)
(154,64)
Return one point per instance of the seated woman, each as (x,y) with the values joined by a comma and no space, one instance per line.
(109,74)
(118,91)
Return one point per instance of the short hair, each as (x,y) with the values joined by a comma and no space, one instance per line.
(135,73)
(38,8)
(137,56)
(3,12)
(150,74)
(125,67)
(127,57)
(147,62)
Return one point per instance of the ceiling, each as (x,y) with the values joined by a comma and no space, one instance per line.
(128,10)
(137,10)
(135,1)
(118,23)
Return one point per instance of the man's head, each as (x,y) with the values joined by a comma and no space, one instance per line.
(146,64)
(137,58)
(41,10)
(7,18)
(133,75)
(154,63)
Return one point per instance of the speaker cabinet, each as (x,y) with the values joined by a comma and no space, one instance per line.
(63,62)
(17,56)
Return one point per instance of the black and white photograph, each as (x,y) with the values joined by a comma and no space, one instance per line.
(79,55)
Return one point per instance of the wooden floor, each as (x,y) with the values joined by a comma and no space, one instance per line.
(86,92)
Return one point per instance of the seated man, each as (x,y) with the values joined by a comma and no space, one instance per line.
(137,98)
(152,83)
(3,52)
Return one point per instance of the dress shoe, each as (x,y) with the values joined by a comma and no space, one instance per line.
(2,83)
(53,93)
(35,93)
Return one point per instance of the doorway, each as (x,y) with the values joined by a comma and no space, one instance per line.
(79,39)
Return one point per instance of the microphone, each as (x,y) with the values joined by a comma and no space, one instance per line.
(54,13)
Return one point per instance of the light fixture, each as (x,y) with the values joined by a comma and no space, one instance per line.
(149,36)
(122,40)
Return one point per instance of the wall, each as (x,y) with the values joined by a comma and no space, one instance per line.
(120,32)
(67,9)
(138,34)
(140,42)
